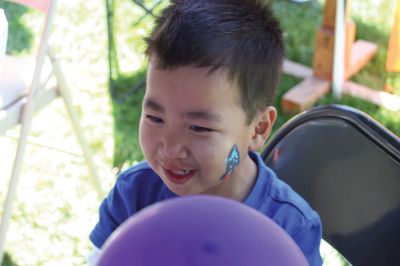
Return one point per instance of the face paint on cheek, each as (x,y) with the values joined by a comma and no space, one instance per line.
(232,161)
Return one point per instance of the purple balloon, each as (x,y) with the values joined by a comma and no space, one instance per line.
(200,231)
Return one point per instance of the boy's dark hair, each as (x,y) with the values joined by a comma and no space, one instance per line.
(241,36)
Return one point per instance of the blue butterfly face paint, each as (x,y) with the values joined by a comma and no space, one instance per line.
(232,161)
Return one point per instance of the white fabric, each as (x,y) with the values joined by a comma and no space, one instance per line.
(93,257)
(3,37)
(14,80)
(16,77)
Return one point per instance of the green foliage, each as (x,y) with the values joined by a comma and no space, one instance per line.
(19,36)
(287,82)
(299,24)
(7,260)
(126,102)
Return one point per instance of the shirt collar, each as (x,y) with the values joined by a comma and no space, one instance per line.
(262,185)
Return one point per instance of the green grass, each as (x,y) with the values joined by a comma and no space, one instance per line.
(299,48)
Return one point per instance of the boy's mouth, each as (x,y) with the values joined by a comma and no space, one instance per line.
(178,176)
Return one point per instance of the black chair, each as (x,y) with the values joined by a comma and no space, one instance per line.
(347,166)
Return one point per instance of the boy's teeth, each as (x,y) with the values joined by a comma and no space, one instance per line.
(181,172)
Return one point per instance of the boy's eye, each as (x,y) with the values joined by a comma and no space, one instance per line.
(154,119)
(200,129)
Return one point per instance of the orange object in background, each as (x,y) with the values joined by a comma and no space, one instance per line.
(43,5)
(393,52)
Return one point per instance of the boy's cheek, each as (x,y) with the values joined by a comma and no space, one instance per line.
(146,139)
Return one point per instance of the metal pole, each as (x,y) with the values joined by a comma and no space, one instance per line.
(339,49)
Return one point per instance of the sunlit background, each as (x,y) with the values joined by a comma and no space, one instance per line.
(56,205)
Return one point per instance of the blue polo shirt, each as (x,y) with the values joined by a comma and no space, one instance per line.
(139,187)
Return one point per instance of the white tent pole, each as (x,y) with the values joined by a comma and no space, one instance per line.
(339,49)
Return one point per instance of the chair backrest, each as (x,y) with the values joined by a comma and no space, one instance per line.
(347,166)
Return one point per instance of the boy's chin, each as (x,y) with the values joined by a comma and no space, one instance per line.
(182,192)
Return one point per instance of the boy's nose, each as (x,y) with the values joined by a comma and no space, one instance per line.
(173,147)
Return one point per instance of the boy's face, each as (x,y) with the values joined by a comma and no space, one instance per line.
(190,122)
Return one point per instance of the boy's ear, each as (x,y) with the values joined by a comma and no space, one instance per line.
(262,126)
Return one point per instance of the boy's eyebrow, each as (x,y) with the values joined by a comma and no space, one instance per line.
(149,103)
(195,115)
(204,115)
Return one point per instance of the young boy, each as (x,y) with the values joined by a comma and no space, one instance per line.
(214,66)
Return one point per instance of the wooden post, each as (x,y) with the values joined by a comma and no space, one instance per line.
(357,54)
(325,39)
(393,51)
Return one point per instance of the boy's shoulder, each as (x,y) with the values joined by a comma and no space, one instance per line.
(137,169)
(277,200)
(137,172)
(140,178)
(135,188)
(277,197)
(284,195)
